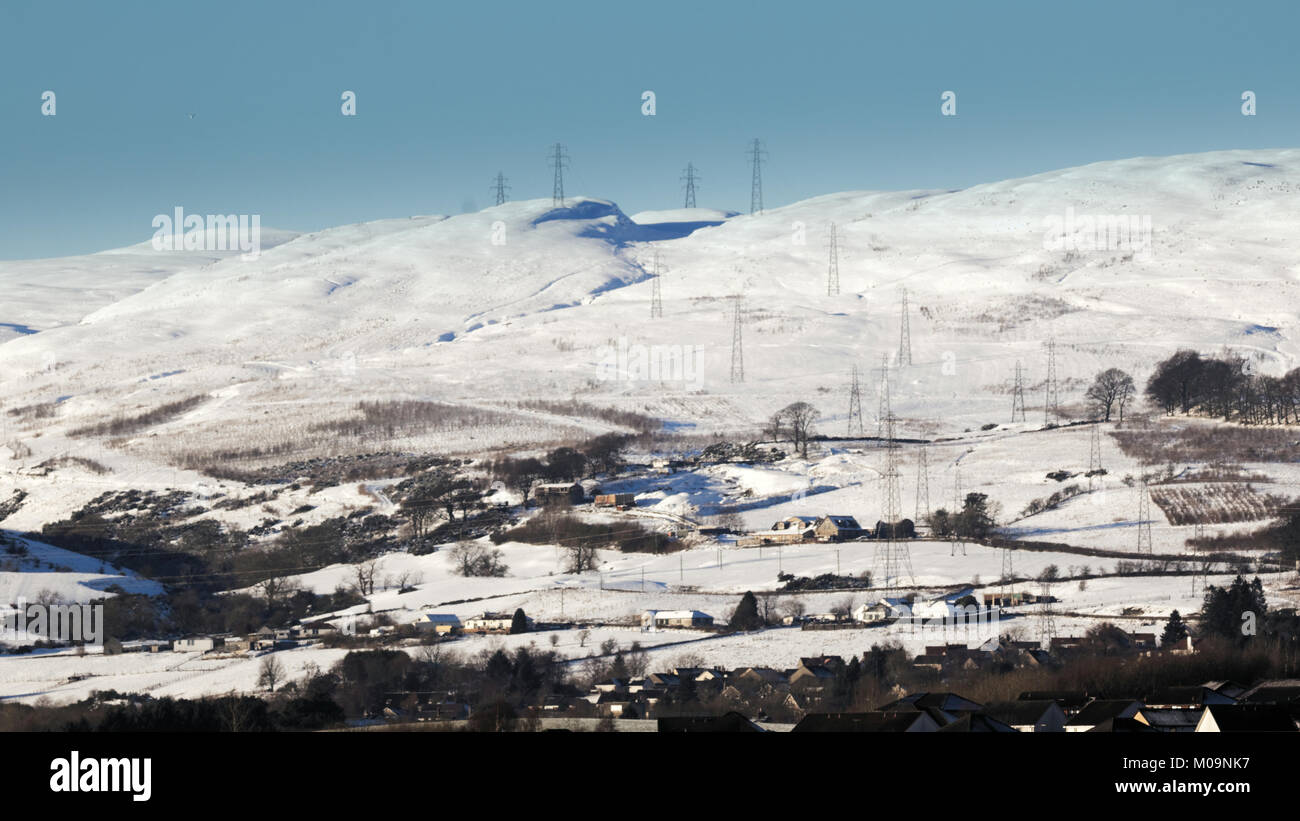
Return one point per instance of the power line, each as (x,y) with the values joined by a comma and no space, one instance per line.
(756,153)
(558,161)
(690,176)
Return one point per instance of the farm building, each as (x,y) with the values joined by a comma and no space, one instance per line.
(559,493)
(492,623)
(195,644)
(440,623)
(622,501)
(904,529)
(789,530)
(835,528)
(666,619)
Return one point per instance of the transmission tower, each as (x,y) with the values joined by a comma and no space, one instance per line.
(893,557)
(884,400)
(958,542)
(500,187)
(559,161)
(1050,406)
(737,348)
(656,297)
(1018,395)
(1094,456)
(922,486)
(833,267)
(1144,518)
(690,176)
(855,406)
(904,337)
(756,154)
(1047,616)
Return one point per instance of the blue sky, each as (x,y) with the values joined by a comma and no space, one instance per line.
(844,95)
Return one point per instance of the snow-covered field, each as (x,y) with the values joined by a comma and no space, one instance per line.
(529,301)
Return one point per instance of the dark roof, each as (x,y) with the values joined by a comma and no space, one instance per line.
(1122,725)
(727,723)
(1019,712)
(1070,699)
(1276,691)
(1103,710)
(1193,696)
(1252,718)
(875,722)
(948,702)
(977,723)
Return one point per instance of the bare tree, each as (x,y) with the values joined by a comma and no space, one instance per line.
(365,576)
(799,418)
(270,673)
(1111,390)
(477,559)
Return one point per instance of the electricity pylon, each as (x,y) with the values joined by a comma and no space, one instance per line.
(689,176)
(500,187)
(1047,616)
(855,406)
(884,399)
(893,557)
(756,154)
(1094,456)
(1051,404)
(559,161)
(737,348)
(1144,518)
(904,337)
(1018,395)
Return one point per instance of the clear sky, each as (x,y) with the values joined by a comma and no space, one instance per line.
(845,95)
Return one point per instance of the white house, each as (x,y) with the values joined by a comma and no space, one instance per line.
(871,612)
(652,620)
(196,644)
(493,623)
(440,623)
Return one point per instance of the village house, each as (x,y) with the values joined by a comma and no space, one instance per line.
(1246,718)
(1101,710)
(873,722)
(439,623)
(837,528)
(1040,716)
(196,644)
(493,623)
(561,494)
(790,530)
(653,620)
(868,613)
